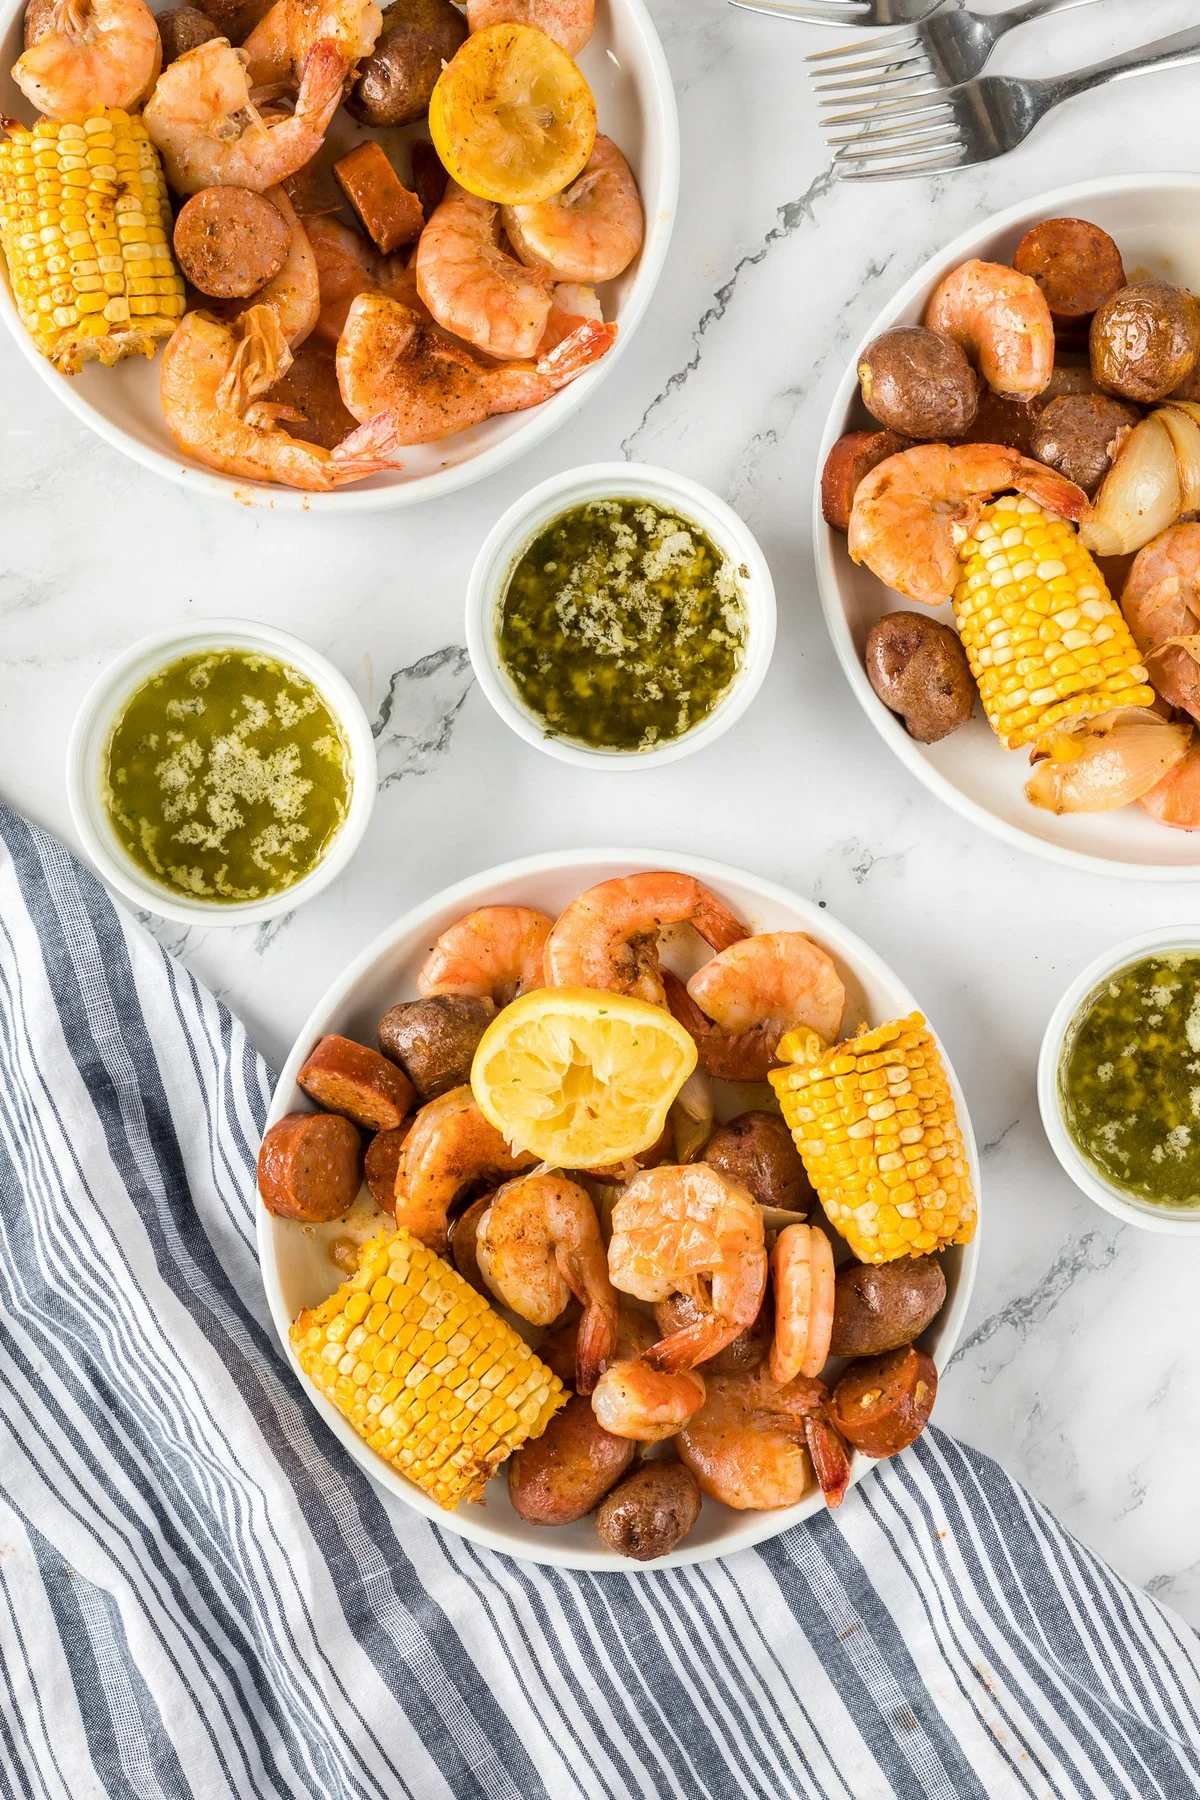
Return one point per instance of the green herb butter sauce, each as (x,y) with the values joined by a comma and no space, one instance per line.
(1129,1078)
(622,625)
(226,776)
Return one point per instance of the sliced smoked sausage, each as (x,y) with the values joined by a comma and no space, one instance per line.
(382,1161)
(883,1402)
(230,242)
(851,459)
(345,1077)
(310,1167)
(1077,266)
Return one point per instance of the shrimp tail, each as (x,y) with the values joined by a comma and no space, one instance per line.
(321,85)
(594,1344)
(739,1056)
(830,1458)
(370,450)
(1051,490)
(585,345)
(696,1343)
(260,359)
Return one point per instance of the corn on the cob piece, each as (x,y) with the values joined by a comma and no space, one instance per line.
(874,1120)
(84,227)
(424,1370)
(1046,643)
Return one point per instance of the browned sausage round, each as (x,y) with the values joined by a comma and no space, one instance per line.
(434,1040)
(183,28)
(463,1232)
(756,1148)
(382,1160)
(883,1402)
(562,1475)
(345,1077)
(230,242)
(1077,266)
(310,388)
(852,458)
(650,1511)
(310,1167)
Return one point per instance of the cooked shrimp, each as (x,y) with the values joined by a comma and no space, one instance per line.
(751,1443)
(571,306)
(493,954)
(1000,317)
(1161,603)
(474,288)
(568,22)
(749,995)
(210,135)
(1175,800)
(212,377)
(690,1231)
(348,266)
(295,293)
(537,1244)
(1105,762)
(591,231)
(278,46)
(450,1148)
(912,512)
(634,1400)
(608,937)
(803,1279)
(390,358)
(90,53)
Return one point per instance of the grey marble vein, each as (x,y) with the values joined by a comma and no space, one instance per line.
(1088,1254)
(417,716)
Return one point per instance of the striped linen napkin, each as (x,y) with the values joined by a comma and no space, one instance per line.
(201,1596)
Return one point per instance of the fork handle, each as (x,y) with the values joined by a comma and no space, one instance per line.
(1182,47)
(1033,9)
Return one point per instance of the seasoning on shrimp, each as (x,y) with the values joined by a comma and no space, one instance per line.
(622,625)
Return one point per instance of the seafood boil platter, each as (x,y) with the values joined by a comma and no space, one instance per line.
(616,1209)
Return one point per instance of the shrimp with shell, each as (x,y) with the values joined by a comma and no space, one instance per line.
(912,511)
(87,53)
(347,266)
(279,44)
(1000,318)
(756,1442)
(210,134)
(450,1150)
(741,1002)
(211,385)
(391,359)
(592,231)
(633,1399)
(1161,604)
(569,22)
(695,1232)
(537,1244)
(802,1276)
(609,937)
(494,953)
(473,287)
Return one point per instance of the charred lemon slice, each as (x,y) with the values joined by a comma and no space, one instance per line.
(578,1077)
(511,116)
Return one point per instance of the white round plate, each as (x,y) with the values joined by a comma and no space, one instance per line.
(1153,219)
(627,71)
(297,1271)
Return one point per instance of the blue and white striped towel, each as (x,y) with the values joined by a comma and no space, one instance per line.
(200,1596)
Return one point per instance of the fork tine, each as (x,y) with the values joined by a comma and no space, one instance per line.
(859,49)
(869,65)
(937,164)
(870,149)
(917,122)
(843,93)
(885,108)
(809,12)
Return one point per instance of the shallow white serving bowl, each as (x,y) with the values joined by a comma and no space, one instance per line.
(515,530)
(89,740)
(1088,1179)
(628,74)
(296,1268)
(1154,221)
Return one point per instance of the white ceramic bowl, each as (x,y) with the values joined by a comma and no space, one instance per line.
(1153,219)
(1087,1178)
(296,1268)
(89,739)
(516,529)
(627,71)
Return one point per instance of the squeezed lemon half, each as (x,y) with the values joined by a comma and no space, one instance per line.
(511,116)
(579,1077)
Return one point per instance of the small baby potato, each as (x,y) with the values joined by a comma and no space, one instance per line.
(1080,434)
(919,669)
(757,1149)
(849,462)
(879,1306)
(435,1040)
(236,19)
(558,1477)
(747,1351)
(919,383)
(1145,340)
(183,28)
(1077,266)
(651,1511)
(396,81)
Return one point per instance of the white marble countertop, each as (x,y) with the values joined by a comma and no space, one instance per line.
(1077,1369)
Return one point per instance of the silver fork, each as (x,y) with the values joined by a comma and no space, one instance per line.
(941,51)
(951,128)
(844,12)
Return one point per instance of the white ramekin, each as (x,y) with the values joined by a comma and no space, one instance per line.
(1085,1177)
(89,739)
(513,533)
